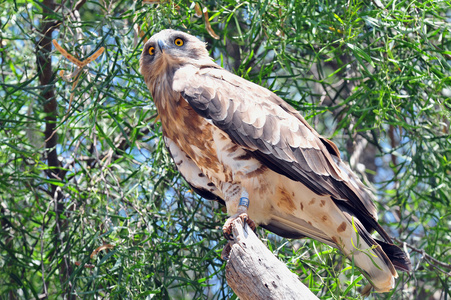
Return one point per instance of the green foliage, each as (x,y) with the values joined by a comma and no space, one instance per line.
(83,166)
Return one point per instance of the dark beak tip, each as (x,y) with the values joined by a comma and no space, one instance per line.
(162,45)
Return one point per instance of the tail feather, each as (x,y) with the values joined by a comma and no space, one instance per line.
(378,260)
(397,256)
(378,249)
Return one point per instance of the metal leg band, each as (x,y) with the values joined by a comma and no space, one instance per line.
(244,202)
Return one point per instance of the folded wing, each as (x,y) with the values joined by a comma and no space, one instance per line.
(277,135)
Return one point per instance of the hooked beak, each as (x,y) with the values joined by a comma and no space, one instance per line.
(162,45)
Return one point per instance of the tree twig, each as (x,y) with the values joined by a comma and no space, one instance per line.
(433,261)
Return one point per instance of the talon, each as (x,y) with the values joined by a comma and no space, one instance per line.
(225,254)
(251,223)
(227,228)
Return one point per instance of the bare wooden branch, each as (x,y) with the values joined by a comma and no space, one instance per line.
(433,261)
(253,272)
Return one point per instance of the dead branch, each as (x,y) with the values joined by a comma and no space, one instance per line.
(253,272)
(433,261)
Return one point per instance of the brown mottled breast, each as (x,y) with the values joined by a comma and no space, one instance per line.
(192,133)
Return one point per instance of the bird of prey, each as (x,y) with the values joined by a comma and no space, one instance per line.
(237,142)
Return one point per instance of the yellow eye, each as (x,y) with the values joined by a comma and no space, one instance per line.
(178,42)
(152,51)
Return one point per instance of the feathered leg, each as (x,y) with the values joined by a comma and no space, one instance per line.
(243,205)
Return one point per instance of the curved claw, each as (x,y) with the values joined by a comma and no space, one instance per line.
(225,254)
(227,228)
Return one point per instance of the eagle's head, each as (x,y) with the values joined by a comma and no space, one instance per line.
(169,50)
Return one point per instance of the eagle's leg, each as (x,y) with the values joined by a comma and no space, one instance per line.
(240,213)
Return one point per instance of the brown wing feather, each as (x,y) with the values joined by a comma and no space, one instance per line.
(277,135)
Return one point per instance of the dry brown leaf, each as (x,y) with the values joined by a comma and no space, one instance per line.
(103,247)
(208,26)
(198,10)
